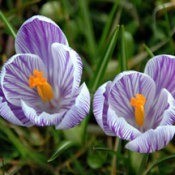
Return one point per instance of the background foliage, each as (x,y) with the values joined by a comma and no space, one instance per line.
(111,36)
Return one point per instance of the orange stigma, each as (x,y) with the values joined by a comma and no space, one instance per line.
(138,103)
(44,89)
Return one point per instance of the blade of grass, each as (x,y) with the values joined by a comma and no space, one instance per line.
(168,26)
(108,25)
(99,73)
(9,27)
(149,51)
(158,162)
(123,59)
(88,26)
(61,148)
(142,56)
(24,151)
(143,163)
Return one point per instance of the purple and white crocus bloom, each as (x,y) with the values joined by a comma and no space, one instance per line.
(40,85)
(140,107)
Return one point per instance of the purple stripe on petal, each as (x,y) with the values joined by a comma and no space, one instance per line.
(118,126)
(168,117)
(125,86)
(42,119)
(98,104)
(162,69)
(78,111)
(36,36)
(113,124)
(152,140)
(67,68)
(15,76)
(12,113)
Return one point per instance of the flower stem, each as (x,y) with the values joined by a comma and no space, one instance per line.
(143,164)
(114,160)
(4,19)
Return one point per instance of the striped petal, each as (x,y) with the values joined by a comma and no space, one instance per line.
(127,85)
(36,36)
(42,119)
(12,113)
(115,125)
(98,103)
(67,69)
(78,111)
(152,140)
(162,69)
(162,111)
(15,76)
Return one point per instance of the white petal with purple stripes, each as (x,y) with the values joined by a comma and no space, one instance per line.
(98,103)
(36,36)
(78,111)
(162,69)
(15,76)
(127,86)
(42,119)
(152,140)
(12,113)
(67,69)
(118,126)
(162,111)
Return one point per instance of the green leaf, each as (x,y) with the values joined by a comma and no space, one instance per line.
(87,25)
(4,19)
(148,50)
(100,71)
(108,26)
(157,163)
(61,148)
(123,60)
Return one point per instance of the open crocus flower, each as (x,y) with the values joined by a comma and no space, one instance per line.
(40,84)
(139,107)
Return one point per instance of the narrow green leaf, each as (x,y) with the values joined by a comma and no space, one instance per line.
(108,25)
(168,26)
(103,62)
(61,148)
(24,151)
(143,163)
(158,162)
(9,27)
(150,53)
(88,32)
(123,59)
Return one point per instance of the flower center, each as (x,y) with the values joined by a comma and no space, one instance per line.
(138,103)
(44,89)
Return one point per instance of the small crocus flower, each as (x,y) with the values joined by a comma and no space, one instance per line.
(140,107)
(40,84)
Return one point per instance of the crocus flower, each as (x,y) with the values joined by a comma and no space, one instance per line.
(40,85)
(140,107)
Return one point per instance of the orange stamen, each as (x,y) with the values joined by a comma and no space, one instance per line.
(44,89)
(138,103)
